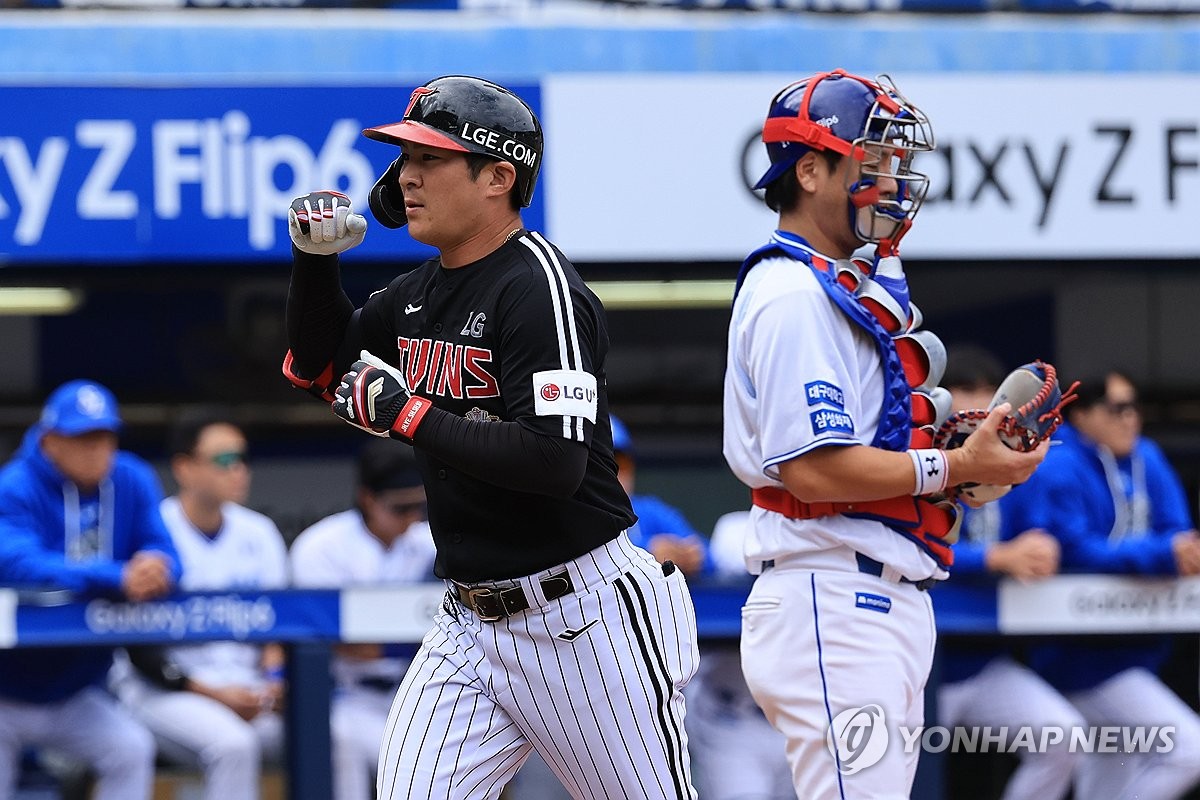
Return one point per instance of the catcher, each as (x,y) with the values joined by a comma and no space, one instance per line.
(851,518)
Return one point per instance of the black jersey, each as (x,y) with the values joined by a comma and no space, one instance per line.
(516,336)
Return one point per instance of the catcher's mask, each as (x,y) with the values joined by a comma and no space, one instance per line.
(871,122)
(468,115)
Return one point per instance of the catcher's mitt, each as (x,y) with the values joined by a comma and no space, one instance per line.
(1037,402)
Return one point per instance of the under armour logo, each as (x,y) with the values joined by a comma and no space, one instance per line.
(931,468)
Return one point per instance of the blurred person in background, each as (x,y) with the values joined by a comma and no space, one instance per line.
(214,705)
(983,684)
(79,514)
(661,528)
(383,540)
(1115,504)
(738,755)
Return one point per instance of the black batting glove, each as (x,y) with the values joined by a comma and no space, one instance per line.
(374,396)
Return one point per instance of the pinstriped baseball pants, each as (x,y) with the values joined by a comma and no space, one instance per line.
(591,680)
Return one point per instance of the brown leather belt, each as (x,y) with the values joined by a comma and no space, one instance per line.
(494,603)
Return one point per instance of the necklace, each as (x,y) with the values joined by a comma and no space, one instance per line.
(511,234)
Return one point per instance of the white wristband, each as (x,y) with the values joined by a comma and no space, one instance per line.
(931,470)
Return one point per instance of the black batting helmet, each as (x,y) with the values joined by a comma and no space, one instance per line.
(470,115)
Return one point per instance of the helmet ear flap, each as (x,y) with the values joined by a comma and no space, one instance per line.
(386,199)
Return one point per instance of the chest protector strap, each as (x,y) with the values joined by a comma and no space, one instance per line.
(922,521)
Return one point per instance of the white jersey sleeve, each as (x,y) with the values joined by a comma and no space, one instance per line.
(800,375)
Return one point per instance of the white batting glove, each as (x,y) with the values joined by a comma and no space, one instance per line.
(322,223)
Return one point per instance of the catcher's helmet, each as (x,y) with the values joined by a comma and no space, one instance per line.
(847,114)
(470,115)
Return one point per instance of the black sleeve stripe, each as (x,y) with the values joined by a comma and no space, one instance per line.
(564,317)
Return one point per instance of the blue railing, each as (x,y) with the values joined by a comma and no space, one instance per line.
(309,621)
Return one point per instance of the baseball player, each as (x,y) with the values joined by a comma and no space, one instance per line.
(557,633)
(384,539)
(214,705)
(824,365)
(76,513)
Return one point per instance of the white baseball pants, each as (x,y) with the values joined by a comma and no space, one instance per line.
(592,680)
(816,643)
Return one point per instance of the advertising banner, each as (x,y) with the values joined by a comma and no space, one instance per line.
(1027,166)
(122,174)
(638,167)
(1099,604)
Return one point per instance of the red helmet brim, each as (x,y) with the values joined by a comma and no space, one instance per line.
(409,131)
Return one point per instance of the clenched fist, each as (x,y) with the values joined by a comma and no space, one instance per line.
(374,396)
(322,223)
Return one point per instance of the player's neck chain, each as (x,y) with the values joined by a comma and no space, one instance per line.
(511,234)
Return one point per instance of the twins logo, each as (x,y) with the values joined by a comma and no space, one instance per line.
(857,738)
(450,370)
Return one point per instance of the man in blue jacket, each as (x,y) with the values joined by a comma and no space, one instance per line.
(1116,506)
(78,514)
(983,684)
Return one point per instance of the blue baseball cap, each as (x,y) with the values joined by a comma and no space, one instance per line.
(622,441)
(80,407)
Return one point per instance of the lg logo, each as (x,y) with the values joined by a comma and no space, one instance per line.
(858,738)
(550,392)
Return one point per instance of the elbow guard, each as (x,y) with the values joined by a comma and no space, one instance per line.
(321,386)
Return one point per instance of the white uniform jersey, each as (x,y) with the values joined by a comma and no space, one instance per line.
(248,553)
(339,551)
(784,398)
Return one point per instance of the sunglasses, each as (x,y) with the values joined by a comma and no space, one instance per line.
(228,460)
(1125,407)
